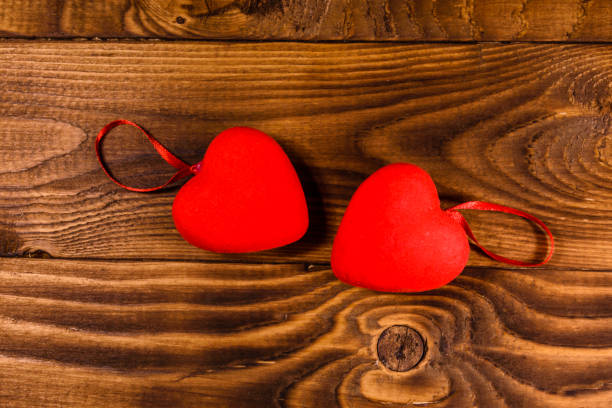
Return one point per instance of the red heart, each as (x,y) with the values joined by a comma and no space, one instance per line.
(395,238)
(246,197)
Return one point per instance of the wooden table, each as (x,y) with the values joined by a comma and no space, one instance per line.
(102,304)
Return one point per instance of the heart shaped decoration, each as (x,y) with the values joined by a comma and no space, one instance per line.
(394,236)
(244,197)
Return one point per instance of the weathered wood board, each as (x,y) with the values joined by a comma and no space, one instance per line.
(522,125)
(182,334)
(371,20)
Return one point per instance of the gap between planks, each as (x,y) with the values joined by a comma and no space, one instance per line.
(141,40)
(308,266)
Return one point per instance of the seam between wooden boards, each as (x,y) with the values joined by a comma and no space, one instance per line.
(307,265)
(288,41)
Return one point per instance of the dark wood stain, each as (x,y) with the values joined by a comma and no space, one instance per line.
(372,20)
(510,124)
(10,243)
(490,336)
(103,304)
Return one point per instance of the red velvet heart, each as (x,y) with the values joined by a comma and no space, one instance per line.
(395,238)
(246,197)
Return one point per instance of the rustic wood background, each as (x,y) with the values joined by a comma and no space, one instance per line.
(103,304)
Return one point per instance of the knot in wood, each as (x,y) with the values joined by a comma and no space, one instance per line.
(400,348)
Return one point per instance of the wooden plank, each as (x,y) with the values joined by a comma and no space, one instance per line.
(522,125)
(57,200)
(182,334)
(419,20)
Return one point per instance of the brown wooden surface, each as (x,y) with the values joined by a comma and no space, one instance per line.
(388,20)
(522,125)
(123,313)
(182,334)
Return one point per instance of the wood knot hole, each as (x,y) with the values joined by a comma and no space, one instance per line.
(400,348)
(180,20)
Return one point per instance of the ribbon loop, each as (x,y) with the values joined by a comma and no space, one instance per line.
(183,169)
(484,206)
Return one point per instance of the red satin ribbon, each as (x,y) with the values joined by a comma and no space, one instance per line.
(183,168)
(481,205)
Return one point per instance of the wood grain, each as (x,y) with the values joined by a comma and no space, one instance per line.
(526,126)
(381,20)
(182,334)
(130,315)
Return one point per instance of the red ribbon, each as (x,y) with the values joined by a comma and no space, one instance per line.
(183,168)
(481,205)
